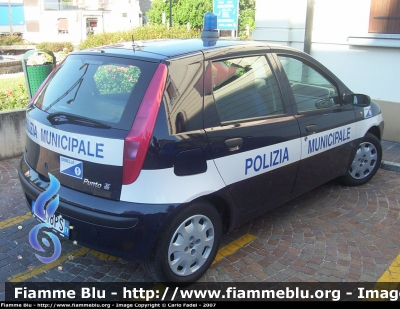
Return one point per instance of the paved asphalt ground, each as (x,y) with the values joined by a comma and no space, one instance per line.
(332,234)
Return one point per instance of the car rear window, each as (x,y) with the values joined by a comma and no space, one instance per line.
(101,88)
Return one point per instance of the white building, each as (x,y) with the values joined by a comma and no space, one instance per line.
(59,21)
(358,40)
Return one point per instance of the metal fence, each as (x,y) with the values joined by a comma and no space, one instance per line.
(62,6)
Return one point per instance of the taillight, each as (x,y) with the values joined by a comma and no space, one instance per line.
(138,139)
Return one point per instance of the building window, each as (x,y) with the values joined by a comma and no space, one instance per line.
(91,25)
(32,26)
(62,25)
(57,5)
(385,17)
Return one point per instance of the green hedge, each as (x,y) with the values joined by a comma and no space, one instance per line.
(56,46)
(140,33)
(7,40)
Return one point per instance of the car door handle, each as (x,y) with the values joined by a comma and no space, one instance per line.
(234,144)
(311,129)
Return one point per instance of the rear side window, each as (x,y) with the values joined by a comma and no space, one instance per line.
(245,88)
(183,97)
(104,89)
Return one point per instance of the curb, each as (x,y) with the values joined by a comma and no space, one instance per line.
(17,47)
(390,166)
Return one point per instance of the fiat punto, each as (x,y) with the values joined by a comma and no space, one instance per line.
(161,147)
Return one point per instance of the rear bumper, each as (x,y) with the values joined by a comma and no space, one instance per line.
(123,229)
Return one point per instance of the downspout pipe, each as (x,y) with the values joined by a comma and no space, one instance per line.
(170,13)
(309,26)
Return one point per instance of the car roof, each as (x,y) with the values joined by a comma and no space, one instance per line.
(170,48)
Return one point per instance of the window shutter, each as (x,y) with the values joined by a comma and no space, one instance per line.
(32,26)
(384,16)
(63,24)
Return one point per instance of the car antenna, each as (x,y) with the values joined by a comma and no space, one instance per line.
(133,44)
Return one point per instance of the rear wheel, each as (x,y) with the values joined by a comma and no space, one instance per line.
(187,246)
(365,163)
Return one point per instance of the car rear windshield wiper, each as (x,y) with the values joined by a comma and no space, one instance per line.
(60,117)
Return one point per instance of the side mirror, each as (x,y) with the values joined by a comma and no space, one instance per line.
(357,99)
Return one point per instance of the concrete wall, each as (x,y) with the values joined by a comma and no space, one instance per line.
(12,133)
(7,67)
(391,116)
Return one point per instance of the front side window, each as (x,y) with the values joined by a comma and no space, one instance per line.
(245,88)
(311,90)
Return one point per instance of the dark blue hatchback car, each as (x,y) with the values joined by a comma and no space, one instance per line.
(162,146)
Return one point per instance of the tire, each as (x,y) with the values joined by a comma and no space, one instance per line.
(187,246)
(365,163)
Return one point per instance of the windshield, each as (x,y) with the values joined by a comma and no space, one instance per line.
(97,87)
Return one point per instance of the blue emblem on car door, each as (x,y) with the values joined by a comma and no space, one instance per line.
(367,112)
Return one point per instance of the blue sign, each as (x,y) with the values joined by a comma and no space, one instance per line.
(17,11)
(227,12)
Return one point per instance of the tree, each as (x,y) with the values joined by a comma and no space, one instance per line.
(192,11)
(247,14)
(155,13)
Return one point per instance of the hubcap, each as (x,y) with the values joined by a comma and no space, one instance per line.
(364,161)
(191,245)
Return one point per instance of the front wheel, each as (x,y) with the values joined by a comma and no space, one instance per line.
(187,246)
(365,163)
